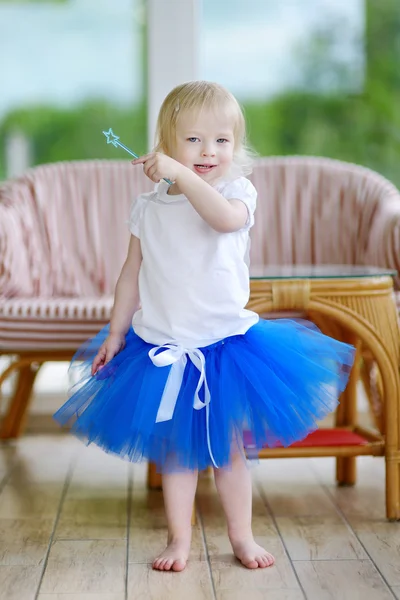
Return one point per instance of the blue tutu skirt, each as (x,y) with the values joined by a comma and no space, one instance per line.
(184,410)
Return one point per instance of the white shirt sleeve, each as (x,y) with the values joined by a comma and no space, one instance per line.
(136,214)
(242,189)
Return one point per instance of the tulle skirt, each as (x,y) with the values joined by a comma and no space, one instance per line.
(186,409)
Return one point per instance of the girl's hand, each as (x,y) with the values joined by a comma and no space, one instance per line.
(158,166)
(113,344)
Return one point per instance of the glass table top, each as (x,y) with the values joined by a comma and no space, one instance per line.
(318,272)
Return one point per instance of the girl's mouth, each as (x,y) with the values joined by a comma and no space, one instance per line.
(204,168)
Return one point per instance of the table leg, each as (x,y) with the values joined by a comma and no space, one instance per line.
(346,469)
(154,481)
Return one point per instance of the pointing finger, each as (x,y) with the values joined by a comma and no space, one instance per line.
(141,159)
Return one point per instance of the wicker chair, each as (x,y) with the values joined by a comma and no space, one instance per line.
(63,240)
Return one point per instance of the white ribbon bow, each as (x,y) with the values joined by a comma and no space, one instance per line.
(176,356)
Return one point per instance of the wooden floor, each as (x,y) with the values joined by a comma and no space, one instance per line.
(76,524)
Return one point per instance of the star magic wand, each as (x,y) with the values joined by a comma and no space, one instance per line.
(114,140)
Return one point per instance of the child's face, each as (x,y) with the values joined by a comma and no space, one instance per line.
(205,144)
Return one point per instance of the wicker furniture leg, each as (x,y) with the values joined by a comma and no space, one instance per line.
(154,481)
(346,470)
(14,421)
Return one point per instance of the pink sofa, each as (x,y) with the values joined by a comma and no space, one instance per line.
(63,239)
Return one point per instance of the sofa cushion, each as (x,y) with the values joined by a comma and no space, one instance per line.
(46,324)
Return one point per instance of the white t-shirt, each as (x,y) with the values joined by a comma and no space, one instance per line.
(193,281)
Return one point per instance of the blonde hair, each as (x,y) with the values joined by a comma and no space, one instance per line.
(195,96)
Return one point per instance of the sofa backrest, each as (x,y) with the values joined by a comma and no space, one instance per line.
(316,211)
(72,221)
(63,226)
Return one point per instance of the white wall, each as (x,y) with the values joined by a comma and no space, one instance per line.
(173,50)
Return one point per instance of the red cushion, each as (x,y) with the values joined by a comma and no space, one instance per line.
(320,437)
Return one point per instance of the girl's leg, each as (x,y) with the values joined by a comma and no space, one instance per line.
(235,490)
(179,490)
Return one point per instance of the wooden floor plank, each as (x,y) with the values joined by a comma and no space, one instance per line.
(42,459)
(193,583)
(95,468)
(319,538)
(95,505)
(93,518)
(82,596)
(382,542)
(366,499)
(7,459)
(19,582)
(24,542)
(95,566)
(34,489)
(30,502)
(292,489)
(342,580)
(364,508)
(260,594)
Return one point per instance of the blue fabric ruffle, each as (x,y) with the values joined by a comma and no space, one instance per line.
(277,381)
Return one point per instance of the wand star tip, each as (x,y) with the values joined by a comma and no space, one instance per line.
(111,137)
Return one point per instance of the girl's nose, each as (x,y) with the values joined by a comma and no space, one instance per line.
(208,152)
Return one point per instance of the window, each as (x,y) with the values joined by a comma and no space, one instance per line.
(69,69)
(317,77)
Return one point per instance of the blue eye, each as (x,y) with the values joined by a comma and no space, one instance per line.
(222,140)
(192,139)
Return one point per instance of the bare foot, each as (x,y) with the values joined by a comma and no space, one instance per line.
(251,555)
(174,557)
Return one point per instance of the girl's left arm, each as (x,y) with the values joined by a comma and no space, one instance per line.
(221,214)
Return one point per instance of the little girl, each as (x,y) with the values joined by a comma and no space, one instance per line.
(183,368)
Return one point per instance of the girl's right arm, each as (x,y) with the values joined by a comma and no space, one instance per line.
(126,299)
(126,303)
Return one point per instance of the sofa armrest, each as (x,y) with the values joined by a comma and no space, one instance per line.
(383,248)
